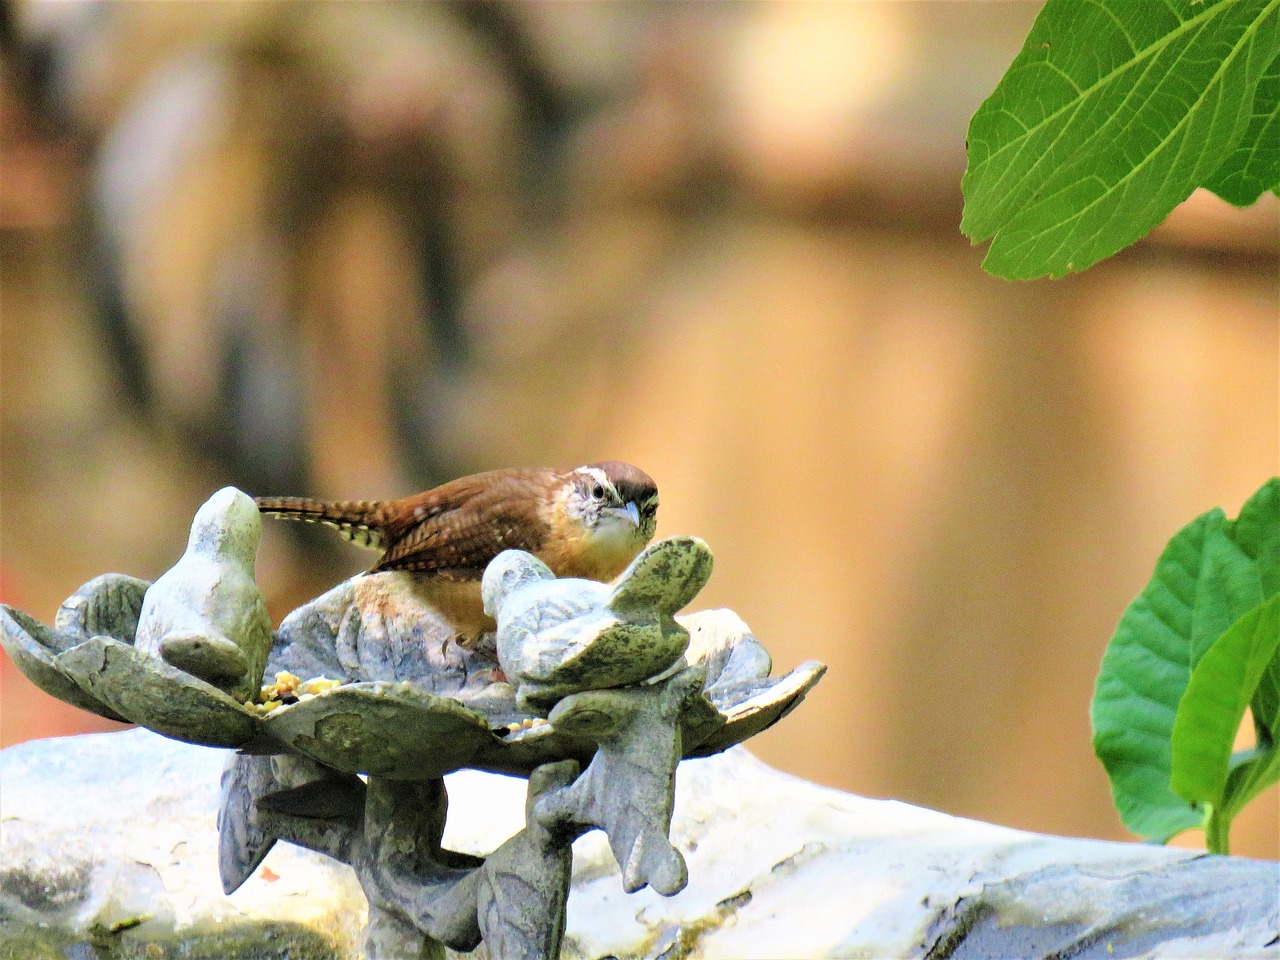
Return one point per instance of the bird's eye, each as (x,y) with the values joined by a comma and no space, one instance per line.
(598,492)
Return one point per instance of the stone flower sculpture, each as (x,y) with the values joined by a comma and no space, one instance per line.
(599,692)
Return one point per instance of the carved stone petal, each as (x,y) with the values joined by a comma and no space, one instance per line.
(699,722)
(520,753)
(383,729)
(725,645)
(34,648)
(106,606)
(145,689)
(762,710)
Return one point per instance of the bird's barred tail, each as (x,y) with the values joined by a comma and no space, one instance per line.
(360,521)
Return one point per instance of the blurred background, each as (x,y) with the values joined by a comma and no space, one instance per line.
(354,250)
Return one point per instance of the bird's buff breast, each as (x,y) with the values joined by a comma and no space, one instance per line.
(600,556)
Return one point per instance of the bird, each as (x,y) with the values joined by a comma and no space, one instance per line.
(589,522)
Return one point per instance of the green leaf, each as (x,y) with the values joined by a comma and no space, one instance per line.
(1251,772)
(1257,531)
(1265,705)
(1112,114)
(1148,664)
(1254,166)
(1229,588)
(1214,703)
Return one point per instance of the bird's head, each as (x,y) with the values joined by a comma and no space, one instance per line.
(616,503)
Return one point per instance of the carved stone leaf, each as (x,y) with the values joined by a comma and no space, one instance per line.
(629,787)
(523,751)
(745,709)
(242,843)
(285,797)
(380,627)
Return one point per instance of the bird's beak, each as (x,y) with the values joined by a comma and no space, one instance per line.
(630,512)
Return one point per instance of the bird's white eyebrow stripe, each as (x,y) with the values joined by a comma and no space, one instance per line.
(598,475)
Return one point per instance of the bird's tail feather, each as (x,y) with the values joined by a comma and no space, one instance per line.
(360,521)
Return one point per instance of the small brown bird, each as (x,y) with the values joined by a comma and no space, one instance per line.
(589,522)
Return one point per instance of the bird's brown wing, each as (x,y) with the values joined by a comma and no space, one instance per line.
(454,530)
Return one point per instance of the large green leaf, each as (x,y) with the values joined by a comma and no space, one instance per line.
(1149,662)
(1213,705)
(1254,166)
(1112,114)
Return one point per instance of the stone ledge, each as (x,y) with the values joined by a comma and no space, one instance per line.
(100,832)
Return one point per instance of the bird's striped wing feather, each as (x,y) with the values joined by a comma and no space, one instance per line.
(454,531)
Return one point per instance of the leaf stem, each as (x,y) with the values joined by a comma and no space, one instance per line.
(1217,832)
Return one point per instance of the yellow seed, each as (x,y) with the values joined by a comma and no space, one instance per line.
(319,685)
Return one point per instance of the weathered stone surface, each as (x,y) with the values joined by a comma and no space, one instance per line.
(109,605)
(103,830)
(99,832)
